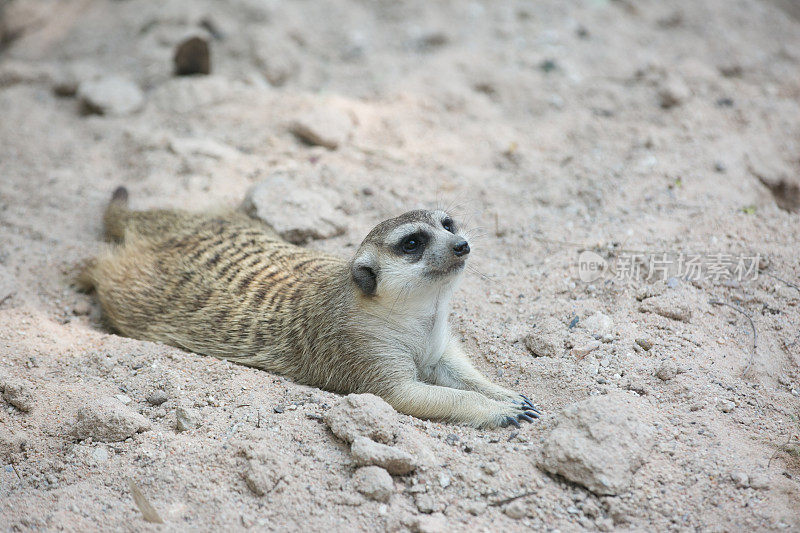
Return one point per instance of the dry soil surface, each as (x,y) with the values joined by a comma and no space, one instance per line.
(661,139)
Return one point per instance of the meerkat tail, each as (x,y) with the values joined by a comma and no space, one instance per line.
(115,218)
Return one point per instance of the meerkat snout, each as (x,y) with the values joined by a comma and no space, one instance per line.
(461,248)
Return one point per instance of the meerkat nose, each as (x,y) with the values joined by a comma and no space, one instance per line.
(461,248)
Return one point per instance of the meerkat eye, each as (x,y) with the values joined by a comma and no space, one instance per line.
(448,225)
(410,244)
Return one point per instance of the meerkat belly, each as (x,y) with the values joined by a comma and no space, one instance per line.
(222,290)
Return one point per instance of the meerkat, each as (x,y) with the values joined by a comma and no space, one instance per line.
(226,285)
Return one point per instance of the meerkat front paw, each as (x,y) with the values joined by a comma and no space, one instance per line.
(517,399)
(513,413)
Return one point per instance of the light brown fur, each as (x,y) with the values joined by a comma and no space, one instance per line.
(226,285)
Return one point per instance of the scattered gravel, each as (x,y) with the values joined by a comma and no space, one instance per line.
(667,370)
(264,477)
(107,420)
(323,126)
(192,56)
(645,344)
(368,452)
(112,95)
(726,406)
(599,443)
(157,397)
(515,509)
(186,418)
(669,306)
(363,415)
(18,393)
(583,350)
(673,92)
(546,339)
(374,482)
(598,324)
(306,214)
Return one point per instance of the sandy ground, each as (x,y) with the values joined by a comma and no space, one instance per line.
(628,129)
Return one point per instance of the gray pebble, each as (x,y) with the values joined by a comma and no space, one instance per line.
(667,371)
(645,344)
(186,418)
(726,406)
(157,397)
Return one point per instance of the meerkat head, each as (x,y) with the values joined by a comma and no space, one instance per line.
(410,255)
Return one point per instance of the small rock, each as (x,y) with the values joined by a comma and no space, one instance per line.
(189,147)
(278,61)
(124,399)
(604,524)
(638,386)
(186,419)
(18,393)
(667,371)
(112,95)
(669,306)
(192,56)
(740,479)
(645,344)
(673,92)
(585,349)
(426,503)
(100,454)
(451,439)
(547,338)
(598,324)
(9,479)
(265,476)
(490,469)
(107,420)
(649,291)
(759,481)
(81,308)
(157,397)
(368,452)
(444,480)
(435,523)
(719,166)
(599,443)
(306,214)
(11,445)
(362,415)
(475,508)
(68,78)
(323,126)
(374,482)
(515,509)
(726,406)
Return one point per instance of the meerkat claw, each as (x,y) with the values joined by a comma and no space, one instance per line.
(529,404)
(525,403)
(509,420)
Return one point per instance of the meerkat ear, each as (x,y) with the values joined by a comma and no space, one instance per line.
(365,274)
